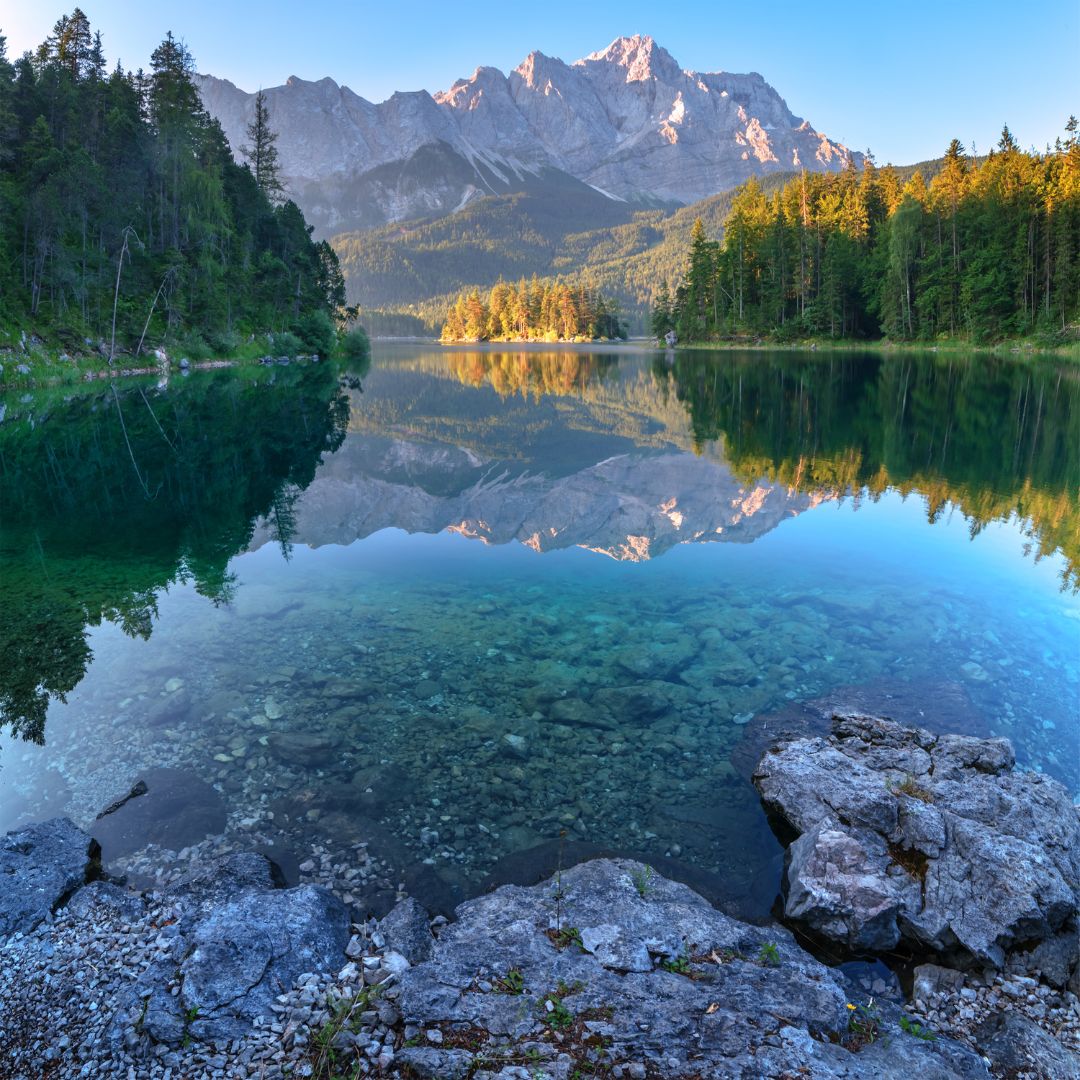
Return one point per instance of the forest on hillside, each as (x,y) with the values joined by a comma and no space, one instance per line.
(987,250)
(534,311)
(125,221)
(406,275)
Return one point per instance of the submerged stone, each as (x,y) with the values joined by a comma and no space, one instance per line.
(303,748)
(170,807)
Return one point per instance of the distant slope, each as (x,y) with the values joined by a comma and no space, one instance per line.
(405,275)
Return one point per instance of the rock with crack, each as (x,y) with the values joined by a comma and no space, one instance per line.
(40,867)
(609,953)
(933,840)
(243,941)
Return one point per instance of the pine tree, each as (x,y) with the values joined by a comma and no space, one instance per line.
(261,153)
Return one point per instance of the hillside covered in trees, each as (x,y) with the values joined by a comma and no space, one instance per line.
(535,311)
(986,250)
(404,276)
(124,218)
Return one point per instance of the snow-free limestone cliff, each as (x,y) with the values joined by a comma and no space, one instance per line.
(627,121)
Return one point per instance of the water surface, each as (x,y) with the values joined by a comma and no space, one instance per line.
(466,602)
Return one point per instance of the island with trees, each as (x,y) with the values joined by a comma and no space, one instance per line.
(550,311)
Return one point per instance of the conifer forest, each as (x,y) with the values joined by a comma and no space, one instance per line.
(125,221)
(989,249)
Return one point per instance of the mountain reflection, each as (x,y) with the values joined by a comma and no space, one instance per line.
(628,454)
(997,440)
(109,497)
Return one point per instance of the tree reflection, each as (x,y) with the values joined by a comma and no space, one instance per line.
(108,498)
(996,439)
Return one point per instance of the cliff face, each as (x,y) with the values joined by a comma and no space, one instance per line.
(627,121)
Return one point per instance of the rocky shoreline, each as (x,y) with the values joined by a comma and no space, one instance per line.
(607,969)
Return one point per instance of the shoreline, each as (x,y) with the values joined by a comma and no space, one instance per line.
(1005,350)
(143,980)
(608,966)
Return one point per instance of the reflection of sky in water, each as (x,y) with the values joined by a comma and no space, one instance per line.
(630,683)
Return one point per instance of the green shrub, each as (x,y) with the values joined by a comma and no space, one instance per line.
(190,346)
(354,344)
(222,342)
(286,344)
(316,332)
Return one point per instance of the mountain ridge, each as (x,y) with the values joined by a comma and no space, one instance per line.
(626,120)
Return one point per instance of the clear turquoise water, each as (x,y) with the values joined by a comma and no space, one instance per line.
(471,697)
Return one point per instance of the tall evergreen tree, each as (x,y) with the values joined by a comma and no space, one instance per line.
(261,153)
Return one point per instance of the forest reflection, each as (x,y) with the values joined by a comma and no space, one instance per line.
(109,497)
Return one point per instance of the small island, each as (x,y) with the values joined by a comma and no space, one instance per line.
(551,311)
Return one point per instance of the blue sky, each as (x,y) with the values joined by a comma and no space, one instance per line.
(900,79)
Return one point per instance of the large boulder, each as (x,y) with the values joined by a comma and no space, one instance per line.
(1019,1047)
(935,840)
(612,954)
(240,942)
(40,867)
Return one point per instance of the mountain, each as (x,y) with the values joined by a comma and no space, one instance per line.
(405,276)
(626,122)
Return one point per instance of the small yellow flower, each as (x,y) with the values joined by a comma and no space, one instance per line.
(851,1007)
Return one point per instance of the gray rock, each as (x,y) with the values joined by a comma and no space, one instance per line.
(1019,1047)
(434,1063)
(407,930)
(40,867)
(931,979)
(934,840)
(838,884)
(251,949)
(303,748)
(217,881)
(104,899)
(648,1013)
(243,941)
(1057,958)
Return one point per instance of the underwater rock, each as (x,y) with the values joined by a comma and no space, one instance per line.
(640,701)
(577,713)
(170,807)
(303,748)
(515,746)
(168,710)
(929,839)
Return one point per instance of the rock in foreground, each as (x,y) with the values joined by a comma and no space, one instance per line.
(933,840)
(611,964)
(39,868)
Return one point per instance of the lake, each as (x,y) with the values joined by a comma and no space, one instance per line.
(482,610)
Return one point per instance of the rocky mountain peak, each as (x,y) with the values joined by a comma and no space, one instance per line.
(537,71)
(641,57)
(626,120)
